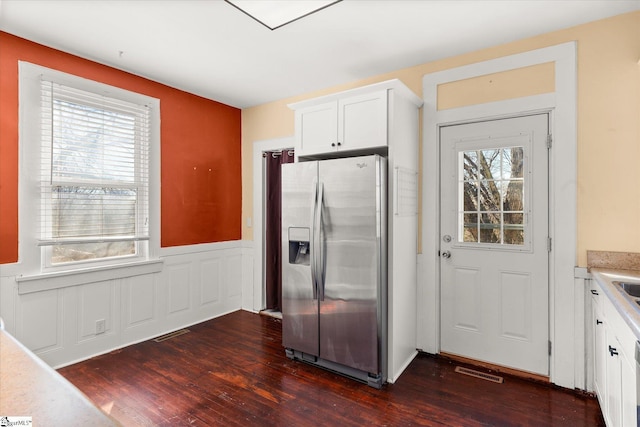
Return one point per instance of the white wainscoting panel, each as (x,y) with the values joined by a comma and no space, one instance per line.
(178,278)
(248,287)
(142,303)
(233,267)
(40,320)
(96,302)
(210,278)
(139,300)
(58,323)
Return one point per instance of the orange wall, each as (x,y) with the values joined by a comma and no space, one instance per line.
(200,150)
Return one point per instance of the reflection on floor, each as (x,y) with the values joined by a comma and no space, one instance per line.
(271,312)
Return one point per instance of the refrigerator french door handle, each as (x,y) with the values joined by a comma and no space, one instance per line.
(319,243)
(312,243)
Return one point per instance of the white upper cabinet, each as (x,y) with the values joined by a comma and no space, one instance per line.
(353,123)
(362,121)
(317,129)
(356,120)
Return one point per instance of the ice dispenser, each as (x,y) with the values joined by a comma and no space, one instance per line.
(299,245)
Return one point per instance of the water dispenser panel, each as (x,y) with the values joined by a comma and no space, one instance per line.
(299,245)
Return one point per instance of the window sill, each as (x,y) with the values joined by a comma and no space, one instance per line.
(64,279)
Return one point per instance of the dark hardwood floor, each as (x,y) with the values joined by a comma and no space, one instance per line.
(233,371)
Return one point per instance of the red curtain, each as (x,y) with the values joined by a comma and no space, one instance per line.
(273,234)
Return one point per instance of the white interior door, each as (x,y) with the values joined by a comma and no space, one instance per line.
(494,242)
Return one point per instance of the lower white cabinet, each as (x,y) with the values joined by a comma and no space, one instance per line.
(628,390)
(614,362)
(599,346)
(613,403)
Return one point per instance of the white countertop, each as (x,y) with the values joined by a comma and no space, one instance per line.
(629,310)
(30,388)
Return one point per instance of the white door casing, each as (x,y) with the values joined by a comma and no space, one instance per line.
(493,242)
(567,362)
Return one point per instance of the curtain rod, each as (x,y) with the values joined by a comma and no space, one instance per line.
(277,153)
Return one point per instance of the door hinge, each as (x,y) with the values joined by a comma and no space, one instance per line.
(549,347)
(549,141)
(549,242)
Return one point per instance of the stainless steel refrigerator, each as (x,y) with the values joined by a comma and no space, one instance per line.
(334,272)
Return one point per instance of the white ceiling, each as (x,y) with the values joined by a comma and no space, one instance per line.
(212,49)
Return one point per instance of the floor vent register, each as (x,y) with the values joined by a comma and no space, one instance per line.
(478,374)
(171,335)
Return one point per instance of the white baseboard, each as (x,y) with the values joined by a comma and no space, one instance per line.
(403,367)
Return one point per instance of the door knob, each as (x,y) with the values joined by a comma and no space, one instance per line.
(446,254)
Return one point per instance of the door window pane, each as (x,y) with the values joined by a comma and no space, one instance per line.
(512,162)
(513,228)
(470,227)
(492,203)
(489,164)
(470,196)
(470,165)
(490,227)
(513,199)
(490,195)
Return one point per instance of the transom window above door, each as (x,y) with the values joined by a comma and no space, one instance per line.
(492,202)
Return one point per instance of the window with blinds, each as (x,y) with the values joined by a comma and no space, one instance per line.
(94,182)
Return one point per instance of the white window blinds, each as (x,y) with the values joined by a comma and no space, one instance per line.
(95,171)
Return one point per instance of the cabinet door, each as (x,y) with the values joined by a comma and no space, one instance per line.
(613,413)
(628,378)
(599,350)
(317,129)
(362,121)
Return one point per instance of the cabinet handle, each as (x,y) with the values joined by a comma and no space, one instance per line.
(613,351)
(598,322)
(333,144)
(339,144)
(594,292)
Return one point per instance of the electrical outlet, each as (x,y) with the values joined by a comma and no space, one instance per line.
(101,326)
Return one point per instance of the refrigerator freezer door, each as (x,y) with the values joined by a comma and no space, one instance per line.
(299,293)
(350,288)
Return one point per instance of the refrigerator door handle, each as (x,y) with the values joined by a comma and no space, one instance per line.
(317,228)
(312,243)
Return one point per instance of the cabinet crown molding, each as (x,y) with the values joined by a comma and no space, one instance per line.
(395,84)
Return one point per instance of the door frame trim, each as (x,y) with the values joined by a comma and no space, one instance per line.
(258,300)
(562,104)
